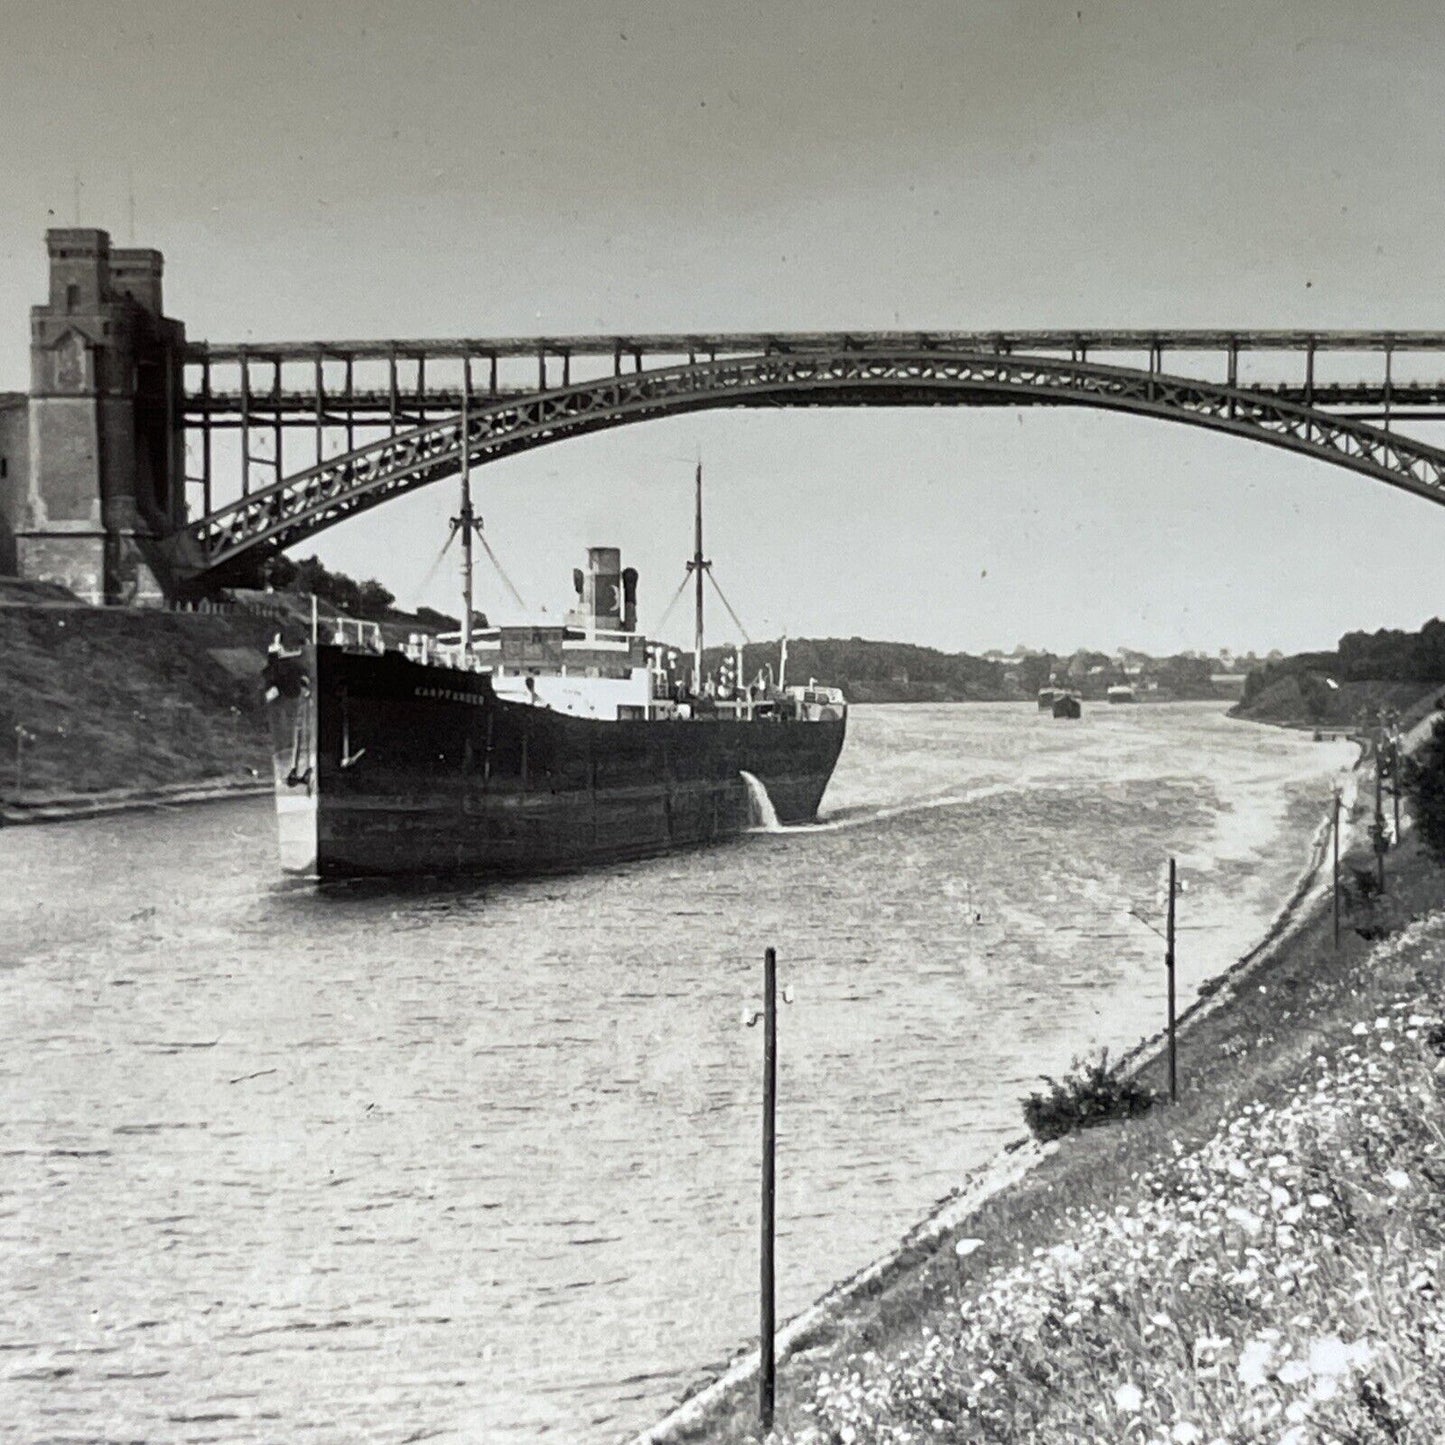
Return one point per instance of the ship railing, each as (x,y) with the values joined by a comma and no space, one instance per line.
(357,633)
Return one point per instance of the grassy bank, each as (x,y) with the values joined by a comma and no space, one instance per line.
(111,699)
(1260,1261)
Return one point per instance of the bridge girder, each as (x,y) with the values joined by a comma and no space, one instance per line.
(299,506)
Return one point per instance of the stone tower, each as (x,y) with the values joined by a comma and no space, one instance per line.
(106,474)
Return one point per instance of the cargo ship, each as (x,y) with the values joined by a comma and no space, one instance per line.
(532,749)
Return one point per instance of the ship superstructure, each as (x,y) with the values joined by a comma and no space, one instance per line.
(531,747)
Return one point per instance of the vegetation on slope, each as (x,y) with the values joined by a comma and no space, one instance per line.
(1422,780)
(1368,673)
(94,699)
(1262,1261)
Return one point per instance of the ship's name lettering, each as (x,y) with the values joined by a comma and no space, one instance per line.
(449,694)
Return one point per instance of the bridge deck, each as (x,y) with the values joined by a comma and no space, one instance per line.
(765,342)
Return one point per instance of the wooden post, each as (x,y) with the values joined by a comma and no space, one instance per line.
(1169,970)
(766,1361)
(1337,866)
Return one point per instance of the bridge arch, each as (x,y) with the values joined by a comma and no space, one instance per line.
(339,487)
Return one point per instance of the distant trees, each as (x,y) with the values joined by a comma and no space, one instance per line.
(1388,655)
(1185,674)
(1036,671)
(369,599)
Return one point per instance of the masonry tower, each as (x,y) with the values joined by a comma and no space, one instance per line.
(106,473)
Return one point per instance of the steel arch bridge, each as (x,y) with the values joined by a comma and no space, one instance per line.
(687,374)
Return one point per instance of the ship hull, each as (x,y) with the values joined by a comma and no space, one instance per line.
(387,767)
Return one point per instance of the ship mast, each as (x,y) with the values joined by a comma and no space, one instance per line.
(697,567)
(467,522)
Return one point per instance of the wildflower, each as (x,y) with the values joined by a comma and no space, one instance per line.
(1248,1222)
(1332,1356)
(1397,1179)
(1129,1398)
(966,1247)
(1254,1361)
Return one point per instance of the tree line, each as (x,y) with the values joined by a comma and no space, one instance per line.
(1388,655)
(367,599)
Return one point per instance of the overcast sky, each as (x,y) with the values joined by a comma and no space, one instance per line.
(427,168)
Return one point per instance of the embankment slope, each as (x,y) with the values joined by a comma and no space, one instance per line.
(1005,1326)
(112,699)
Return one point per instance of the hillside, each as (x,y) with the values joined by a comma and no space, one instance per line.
(1368,674)
(109,698)
(1307,700)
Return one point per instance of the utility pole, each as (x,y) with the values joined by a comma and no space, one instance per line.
(1395,781)
(1169,969)
(1337,867)
(1379,828)
(767,1364)
(767,1360)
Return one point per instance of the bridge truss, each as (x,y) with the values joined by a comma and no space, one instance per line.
(377,420)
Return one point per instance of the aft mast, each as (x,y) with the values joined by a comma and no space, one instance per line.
(466,523)
(697,567)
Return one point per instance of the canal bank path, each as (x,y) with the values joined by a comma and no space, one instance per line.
(1242,1041)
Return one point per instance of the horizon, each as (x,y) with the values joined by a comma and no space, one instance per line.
(476,169)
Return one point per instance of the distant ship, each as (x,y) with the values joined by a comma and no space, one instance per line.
(1067,705)
(531,749)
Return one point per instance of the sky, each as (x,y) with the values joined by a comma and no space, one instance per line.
(438,168)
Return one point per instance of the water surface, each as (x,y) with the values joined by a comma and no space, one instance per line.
(480,1163)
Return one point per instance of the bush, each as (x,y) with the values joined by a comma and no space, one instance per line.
(1423,780)
(1372,915)
(1092,1093)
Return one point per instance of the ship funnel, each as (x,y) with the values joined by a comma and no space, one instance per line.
(629,599)
(600,602)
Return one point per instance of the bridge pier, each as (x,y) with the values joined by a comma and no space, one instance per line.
(104,480)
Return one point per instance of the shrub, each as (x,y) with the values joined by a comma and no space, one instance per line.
(1091,1093)
(1423,780)
(1372,914)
